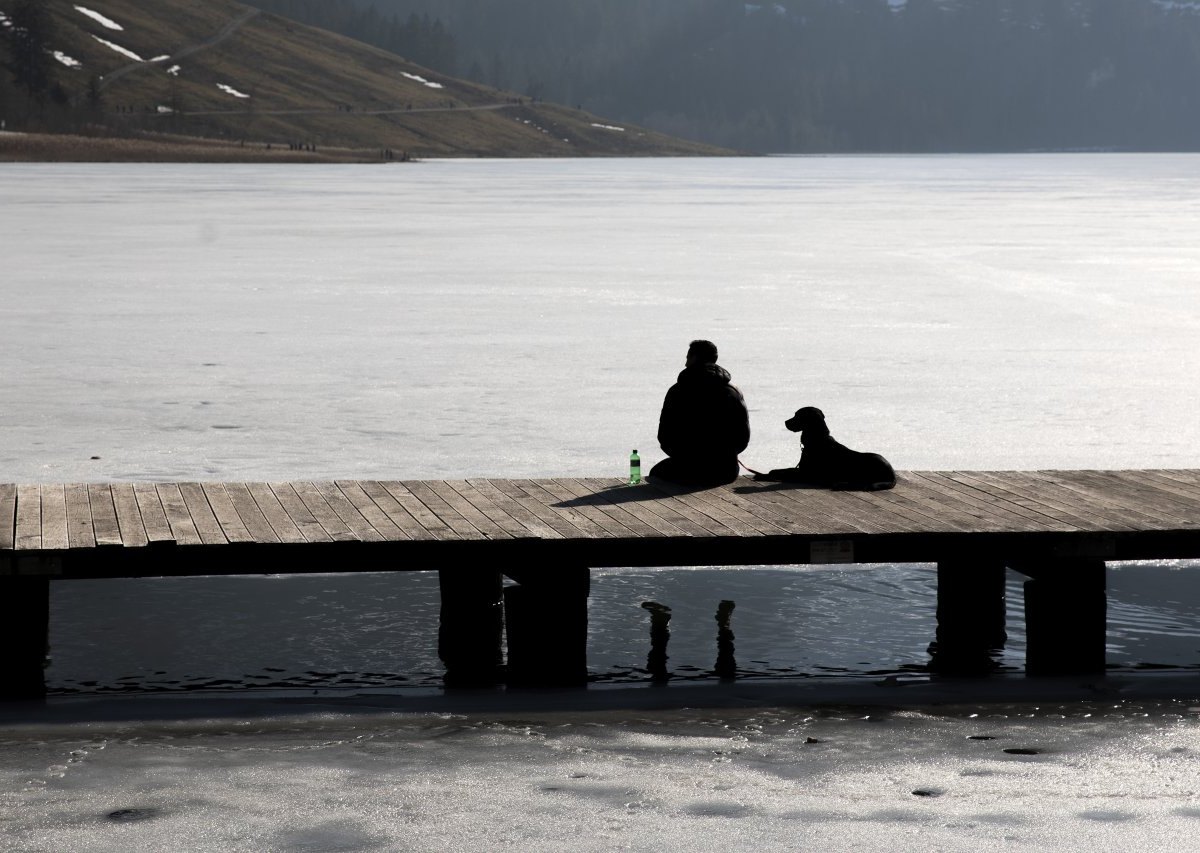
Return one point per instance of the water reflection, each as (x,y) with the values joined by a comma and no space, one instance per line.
(379,631)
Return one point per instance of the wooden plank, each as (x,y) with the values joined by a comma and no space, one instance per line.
(384,527)
(478,519)
(907,510)
(251,517)
(1155,494)
(55,527)
(1155,504)
(299,514)
(428,520)
(272,510)
(591,519)
(834,517)
(993,483)
(498,516)
(398,515)
(614,523)
(1186,490)
(232,526)
(79,516)
(728,516)
(1187,480)
(202,514)
(554,498)
(129,517)
(345,510)
(1031,519)
(519,513)
(604,495)
(154,518)
(748,499)
(951,503)
(8,516)
(175,508)
(1099,506)
(559,521)
(437,507)
(104,515)
(316,504)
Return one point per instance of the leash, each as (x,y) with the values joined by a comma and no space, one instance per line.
(748,468)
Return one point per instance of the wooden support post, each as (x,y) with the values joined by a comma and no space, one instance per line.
(472,626)
(1065,616)
(546,621)
(970,616)
(24,623)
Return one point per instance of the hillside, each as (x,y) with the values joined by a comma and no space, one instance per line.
(220,69)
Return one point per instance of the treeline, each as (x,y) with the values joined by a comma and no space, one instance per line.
(843,75)
(417,37)
(31,95)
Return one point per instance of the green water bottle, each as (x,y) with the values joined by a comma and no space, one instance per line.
(635,468)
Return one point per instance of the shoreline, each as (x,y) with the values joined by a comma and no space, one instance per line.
(18,147)
(934,694)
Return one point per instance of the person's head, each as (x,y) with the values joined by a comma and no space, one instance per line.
(701,352)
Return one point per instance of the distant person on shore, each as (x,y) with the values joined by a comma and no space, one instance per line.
(704,424)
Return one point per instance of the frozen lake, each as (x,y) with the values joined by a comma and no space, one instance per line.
(486,318)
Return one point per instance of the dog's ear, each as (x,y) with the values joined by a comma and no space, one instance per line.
(810,416)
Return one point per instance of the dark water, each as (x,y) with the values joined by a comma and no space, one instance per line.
(380,630)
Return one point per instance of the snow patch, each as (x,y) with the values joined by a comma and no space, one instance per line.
(608,127)
(4,21)
(121,50)
(99,19)
(229,90)
(423,81)
(161,58)
(164,110)
(66,60)
(173,70)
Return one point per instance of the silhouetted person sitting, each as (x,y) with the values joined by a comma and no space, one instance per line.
(704,424)
(827,463)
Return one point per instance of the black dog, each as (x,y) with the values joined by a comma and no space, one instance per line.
(829,464)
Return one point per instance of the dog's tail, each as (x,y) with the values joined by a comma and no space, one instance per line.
(748,468)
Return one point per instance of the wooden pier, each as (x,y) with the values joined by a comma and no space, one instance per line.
(1057,527)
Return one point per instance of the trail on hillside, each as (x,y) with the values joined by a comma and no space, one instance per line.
(221,35)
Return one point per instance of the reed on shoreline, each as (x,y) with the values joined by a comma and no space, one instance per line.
(68,148)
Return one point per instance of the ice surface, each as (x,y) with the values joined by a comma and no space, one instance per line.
(1114,777)
(524,318)
(100,19)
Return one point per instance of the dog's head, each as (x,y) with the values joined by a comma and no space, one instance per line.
(806,418)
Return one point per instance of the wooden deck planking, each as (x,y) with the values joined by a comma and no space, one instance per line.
(396,512)
(482,521)
(599,494)
(299,514)
(105,524)
(924,504)
(419,512)
(232,526)
(336,529)
(154,519)
(129,516)
(202,515)
(272,510)
(516,511)
(8,516)
(438,508)
(999,489)
(387,529)
(55,529)
(180,520)
(79,516)
(512,526)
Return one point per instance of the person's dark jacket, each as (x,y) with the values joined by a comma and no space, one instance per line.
(703,427)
